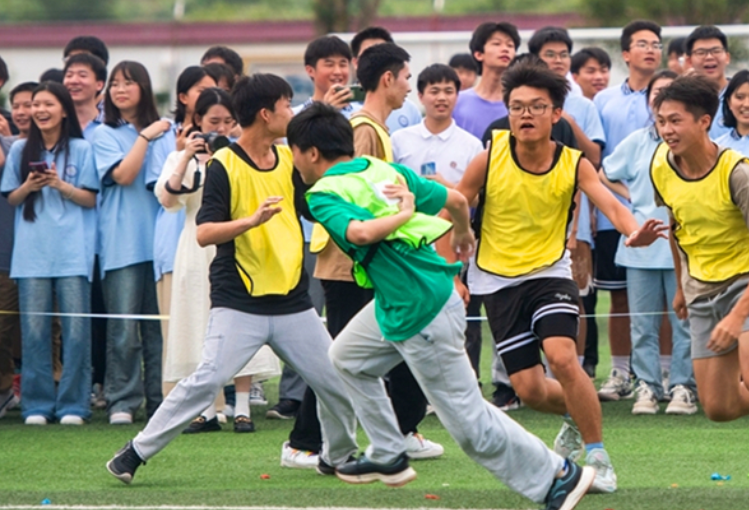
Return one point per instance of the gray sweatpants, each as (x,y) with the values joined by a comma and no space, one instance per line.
(438,360)
(231,340)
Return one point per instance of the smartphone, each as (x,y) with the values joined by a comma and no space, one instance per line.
(38,166)
(358,93)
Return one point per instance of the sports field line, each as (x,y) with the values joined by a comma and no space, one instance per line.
(199,507)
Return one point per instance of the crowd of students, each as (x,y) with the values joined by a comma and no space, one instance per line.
(110,208)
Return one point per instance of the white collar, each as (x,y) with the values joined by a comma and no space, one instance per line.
(444,135)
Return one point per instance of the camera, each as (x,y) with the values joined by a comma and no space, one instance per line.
(214,141)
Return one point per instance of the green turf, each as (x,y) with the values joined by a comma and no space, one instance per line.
(66,466)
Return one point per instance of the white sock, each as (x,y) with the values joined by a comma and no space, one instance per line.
(665,363)
(621,364)
(242,406)
(580,360)
(210,413)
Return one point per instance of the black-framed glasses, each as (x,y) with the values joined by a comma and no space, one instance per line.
(704,52)
(516,110)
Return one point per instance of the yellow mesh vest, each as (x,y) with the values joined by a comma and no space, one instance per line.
(525,215)
(269,258)
(710,228)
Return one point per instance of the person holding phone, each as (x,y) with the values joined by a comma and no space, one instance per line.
(127,215)
(51,180)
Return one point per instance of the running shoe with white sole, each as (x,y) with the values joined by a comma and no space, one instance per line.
(418,447)
(569,441)
(257,395)
(124,463)
(683,401)
(299,459)
(605,480)
(645,400)
(566,492)
(8,401)
(617,387)
(363,470)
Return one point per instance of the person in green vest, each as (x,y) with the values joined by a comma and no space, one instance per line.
(384,217)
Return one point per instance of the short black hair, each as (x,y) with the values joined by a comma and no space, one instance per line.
(323,127)
(677,46)
(437,73)
(376,61)
(228,55)
(325,47)
(702,33)
(528,58)
(729,119)
(697,93)
(659,75)
(218,71)
(635,26)
(547,35)
(27,86)
(4,76)
(254,93)
(88,44)
(530,74)
(55,75)
(369,33)
(464,61)
(581,58)
(484,32)
(93,62)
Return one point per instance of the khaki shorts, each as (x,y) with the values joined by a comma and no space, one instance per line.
(706,313)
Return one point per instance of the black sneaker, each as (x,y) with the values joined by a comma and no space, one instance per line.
(505,398)
(363,470)
(284,410)
(243,424)
(200,424)
(325,469)
(566,492)
(124,463)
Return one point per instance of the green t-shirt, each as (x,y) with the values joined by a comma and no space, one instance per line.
(410,285)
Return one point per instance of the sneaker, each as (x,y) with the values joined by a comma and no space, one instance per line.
(430,409)
(300,459)
(683,401)
(505,398)
(566,492)
(120,419)
(201,424)
(8,401)
(97,397)
(243,424)
(417,447)
(325,469)
(35,419)
(285,410)
(228,411)
(569,441)
(590,370)
(618,386)
(666,381)
(605,480)
(124,463)
(645,402)
(257,395)
(363,470)
(71,419)
(221,417)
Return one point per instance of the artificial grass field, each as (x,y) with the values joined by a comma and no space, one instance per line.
(663,462)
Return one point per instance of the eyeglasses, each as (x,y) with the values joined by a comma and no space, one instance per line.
(553,55)
(516,110)
(704,52)
(644,45)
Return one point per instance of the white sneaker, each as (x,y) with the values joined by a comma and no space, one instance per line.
(71,419)
(683,401)
(569,442)
(618,386)
(646,402)
(35,419)
(300,459)
(121,418)
(417,447)
(221,417)
(257,395)
(8,400)
(430,409)
(605,480)
(666,382)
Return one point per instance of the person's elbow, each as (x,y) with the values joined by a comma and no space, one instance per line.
(203,235)
(455,201)
(358,234)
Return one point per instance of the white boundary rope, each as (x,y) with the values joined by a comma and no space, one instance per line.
(195,507)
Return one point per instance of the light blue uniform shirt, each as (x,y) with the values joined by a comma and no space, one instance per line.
(718,129)
(630,163)
(88,132)
(127,214)
(734,141)
(169,225)
(622,111)
(61,241)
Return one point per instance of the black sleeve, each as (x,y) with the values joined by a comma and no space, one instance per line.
(300,203)
(216,205)
(562,133)
(503,123)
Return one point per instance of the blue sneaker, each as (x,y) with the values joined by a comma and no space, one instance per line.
(566,492)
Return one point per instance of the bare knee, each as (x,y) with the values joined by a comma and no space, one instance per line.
(532,395)
(719,411)
(564,367)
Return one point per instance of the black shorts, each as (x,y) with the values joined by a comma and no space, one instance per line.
(521,317)
(606,274)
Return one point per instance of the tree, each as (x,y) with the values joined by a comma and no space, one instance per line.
(671,12)
(343,15)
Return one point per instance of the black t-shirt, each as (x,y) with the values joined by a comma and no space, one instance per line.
(561,132)
(227,288)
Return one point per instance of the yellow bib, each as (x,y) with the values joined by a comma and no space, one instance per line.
(710,228)
(525,215)
(320,237)
(269,258)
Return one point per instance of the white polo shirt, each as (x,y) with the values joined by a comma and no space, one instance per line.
(447,153)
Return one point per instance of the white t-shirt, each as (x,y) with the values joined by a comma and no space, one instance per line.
(447,153)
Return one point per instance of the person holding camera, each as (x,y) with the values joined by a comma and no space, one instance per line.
(180,186)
